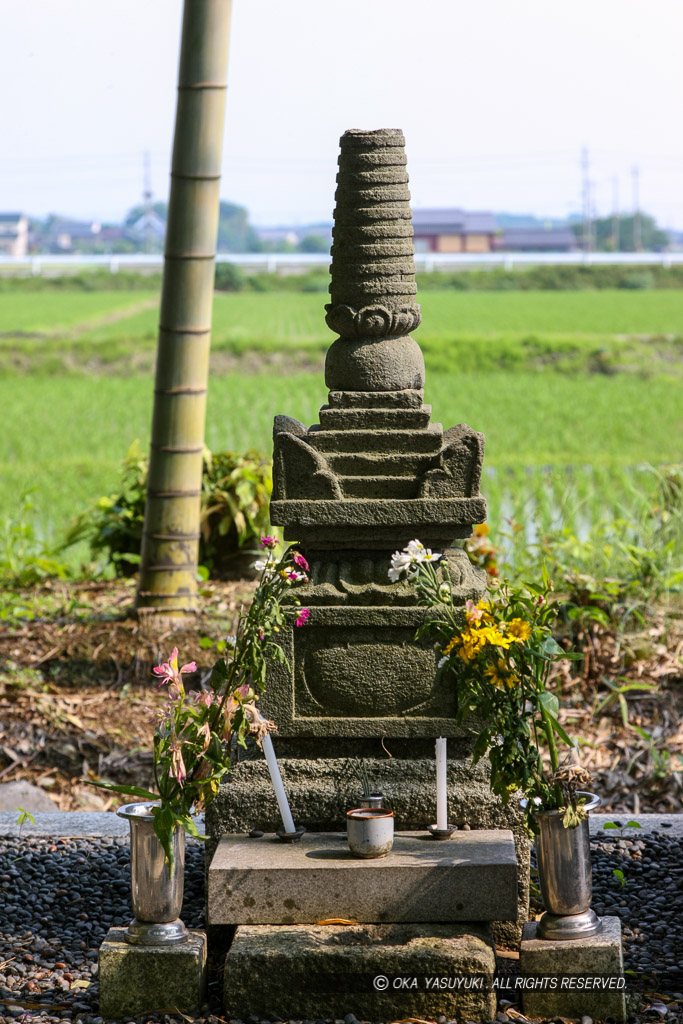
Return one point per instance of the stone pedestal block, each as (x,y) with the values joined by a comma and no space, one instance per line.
(136,980)
(377,972)
(471,877)
(320,792)
(583,976)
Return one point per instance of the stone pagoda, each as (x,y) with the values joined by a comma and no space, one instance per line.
(372,475)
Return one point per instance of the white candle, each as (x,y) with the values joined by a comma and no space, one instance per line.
(276,779)
(441,793)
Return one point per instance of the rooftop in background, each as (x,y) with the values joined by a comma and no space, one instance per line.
(537,240)
(425,221)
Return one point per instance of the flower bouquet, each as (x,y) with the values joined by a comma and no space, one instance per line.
(499,653)
(196,731)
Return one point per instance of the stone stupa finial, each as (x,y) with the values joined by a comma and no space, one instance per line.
(373,288)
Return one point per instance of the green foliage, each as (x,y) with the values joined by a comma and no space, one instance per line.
(229,278)
(652,238)
(25,559)
(314,243)
(554,277)
(622,565)
(113,524)
(86,280)
(629,824)
(235,499)
(234,511)
(24,816)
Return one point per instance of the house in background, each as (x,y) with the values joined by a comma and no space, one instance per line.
(453,230)
(13,234)
(537,240)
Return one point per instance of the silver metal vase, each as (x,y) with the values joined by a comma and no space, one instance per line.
(157,897)
(565,875)
(375,800)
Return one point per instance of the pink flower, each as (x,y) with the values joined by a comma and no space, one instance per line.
(299,560)
(169,671)
(302,617)
(177,770)
(268,542)
(472,613)
(205,732)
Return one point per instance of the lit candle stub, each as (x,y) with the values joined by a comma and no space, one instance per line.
(441,793)
(276,779)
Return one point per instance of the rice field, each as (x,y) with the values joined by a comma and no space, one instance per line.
(574,390)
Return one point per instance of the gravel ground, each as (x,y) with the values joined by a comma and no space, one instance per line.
(59,897)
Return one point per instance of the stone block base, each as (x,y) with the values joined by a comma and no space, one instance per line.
(377,972)
(587,974)
(151,979)
(320,793)
(472,877)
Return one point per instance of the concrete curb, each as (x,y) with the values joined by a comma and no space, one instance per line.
(107,823)
(84,824)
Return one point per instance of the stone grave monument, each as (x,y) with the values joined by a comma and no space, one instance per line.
(372,475)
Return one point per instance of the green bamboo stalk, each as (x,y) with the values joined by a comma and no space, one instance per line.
(170,541)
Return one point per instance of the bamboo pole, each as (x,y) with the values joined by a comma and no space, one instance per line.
(170,539)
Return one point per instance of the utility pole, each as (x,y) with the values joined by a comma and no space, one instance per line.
(147,202)
(637,239)
(586,192)
(615,213)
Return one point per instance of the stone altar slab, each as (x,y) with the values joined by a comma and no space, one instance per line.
(471,877)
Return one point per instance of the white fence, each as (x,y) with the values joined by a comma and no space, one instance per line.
(292,262)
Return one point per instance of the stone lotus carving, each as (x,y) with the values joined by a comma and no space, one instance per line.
(372,321)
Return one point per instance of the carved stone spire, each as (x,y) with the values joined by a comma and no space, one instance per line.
(375,472)
(373,288)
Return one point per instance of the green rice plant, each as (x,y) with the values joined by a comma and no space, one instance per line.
(25,559)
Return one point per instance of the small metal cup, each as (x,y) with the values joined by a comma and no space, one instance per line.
(370,831)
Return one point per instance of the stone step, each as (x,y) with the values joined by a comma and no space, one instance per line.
(375,419)
(471,877)
(384,464)
(427,515)
(376,972)
(348,441)
(410,398)
(378,487)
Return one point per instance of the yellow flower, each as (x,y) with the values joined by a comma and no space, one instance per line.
(481,530)
(499,677)
(494,637)
(519,629)
(453,642)
(472,643)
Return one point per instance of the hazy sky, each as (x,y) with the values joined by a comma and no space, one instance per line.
(496,99)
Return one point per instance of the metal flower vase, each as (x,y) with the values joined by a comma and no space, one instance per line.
(157,896)
(565,875)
